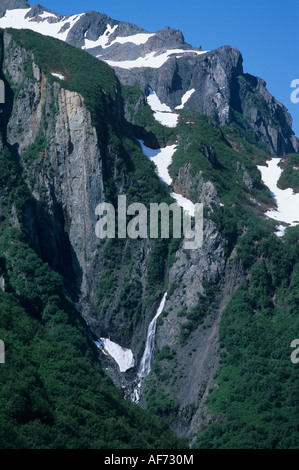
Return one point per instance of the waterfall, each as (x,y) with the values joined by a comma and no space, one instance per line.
(146,361)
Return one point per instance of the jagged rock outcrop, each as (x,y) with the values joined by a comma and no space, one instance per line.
(195,364)
(68,184)
(12,5)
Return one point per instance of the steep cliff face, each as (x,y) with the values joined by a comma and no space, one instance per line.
(12,4)
(71,167)
(66,177)
(220,90)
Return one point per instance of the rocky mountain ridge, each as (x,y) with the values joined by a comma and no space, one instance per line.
(172,68)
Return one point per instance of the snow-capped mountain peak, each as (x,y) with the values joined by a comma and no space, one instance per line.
(181,76)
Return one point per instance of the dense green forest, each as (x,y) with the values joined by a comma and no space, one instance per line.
(256,400)
(53,392)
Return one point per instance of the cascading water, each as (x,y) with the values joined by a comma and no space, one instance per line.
(146,361)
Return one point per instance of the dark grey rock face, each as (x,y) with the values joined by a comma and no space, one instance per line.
(267,117)
(92,25)
(37,10)
(221,90)
(12,4)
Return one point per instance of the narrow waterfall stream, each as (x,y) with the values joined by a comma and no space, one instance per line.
(146,361)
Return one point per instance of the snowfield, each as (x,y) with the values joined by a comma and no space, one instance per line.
(151,60)
(102,41)
(137,39)
(185,203)
(16,19)
(162,158)
(162,112)
(287,201)
(123,357)
(58,75)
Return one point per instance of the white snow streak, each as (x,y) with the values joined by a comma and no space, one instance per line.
(102,41)
(287,201)
(137,39)
(123,357)
(16,19)
(152,60)
(58,75)
(166,119)
(162,112)
(46,14)
(162,158)
(185,98)
(186,204)
(155,103)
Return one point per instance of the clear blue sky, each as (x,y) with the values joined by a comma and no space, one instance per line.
(265,31)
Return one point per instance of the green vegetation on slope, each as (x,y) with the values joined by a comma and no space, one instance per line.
(289,177)
(53,392)
(255,400)
(93,79)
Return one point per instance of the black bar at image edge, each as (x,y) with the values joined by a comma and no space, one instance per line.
(137,458)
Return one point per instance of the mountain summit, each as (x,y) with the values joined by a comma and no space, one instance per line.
(209,82)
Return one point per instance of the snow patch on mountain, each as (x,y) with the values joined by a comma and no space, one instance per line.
(137,39)
(46,14)
(152,60)
(122,356)
(162,158)
(155,103)
(166,119)
(102,41)
(185,98)
(162,112)
(17,19)
(184,203)
(287,201)
(58,75)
